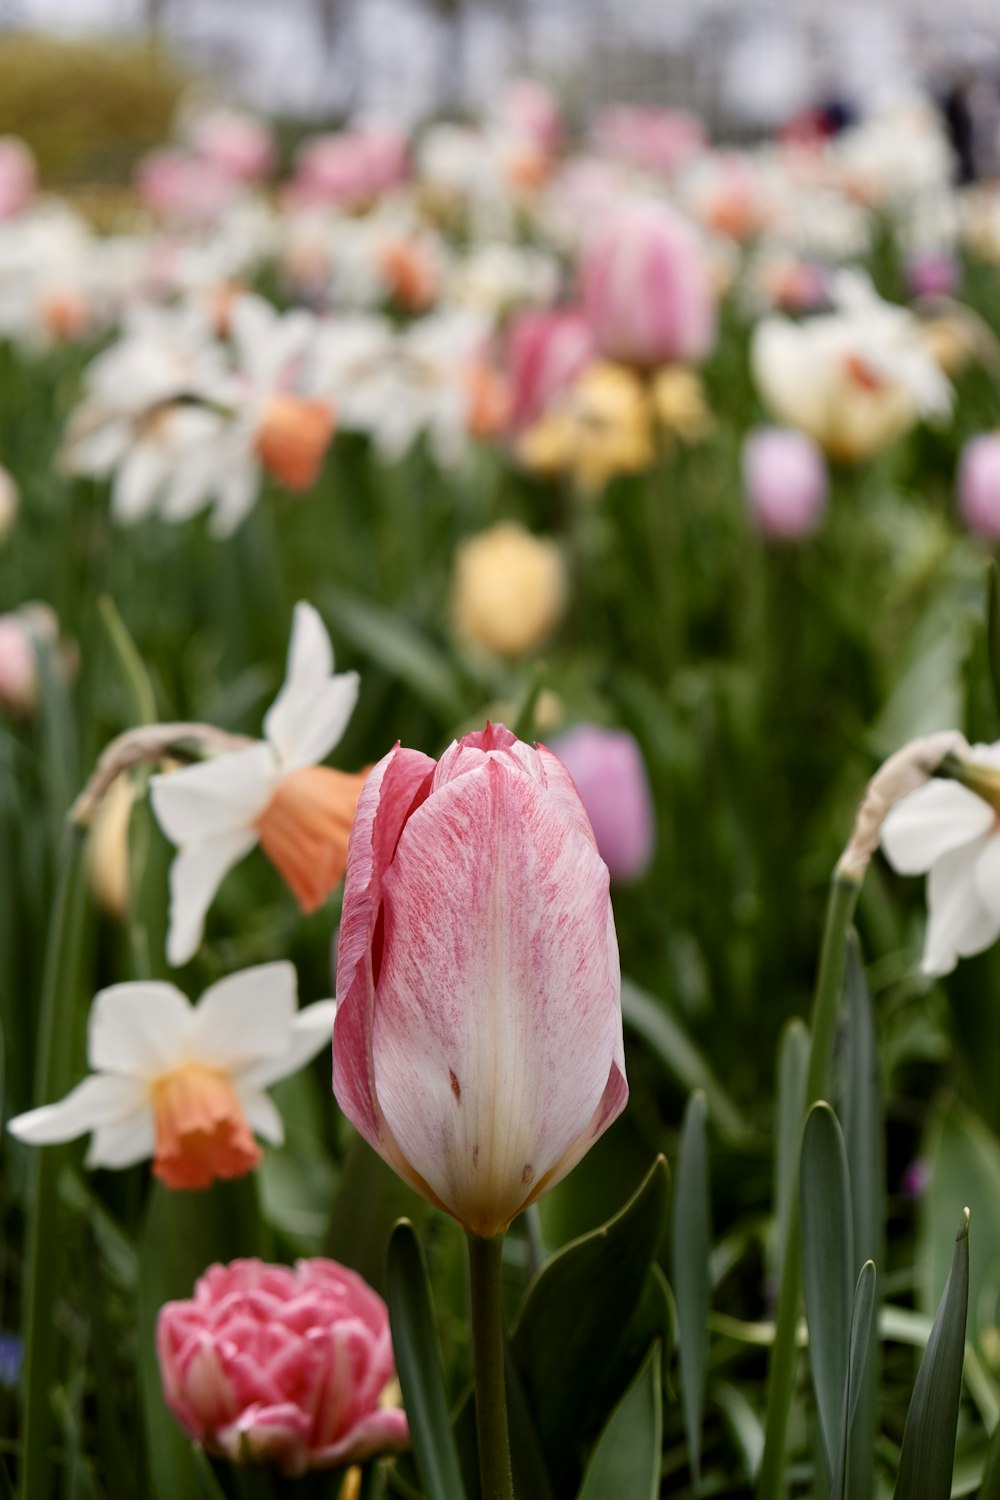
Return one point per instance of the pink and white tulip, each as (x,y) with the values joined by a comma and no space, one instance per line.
(352,168)
(235,144)
(546,350)
(18,177)
(478,1041)
(785,481)
(659,141)
(273,1365)
(646,286)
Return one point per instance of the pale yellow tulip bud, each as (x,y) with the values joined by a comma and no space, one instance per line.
(509,590)
(107,849)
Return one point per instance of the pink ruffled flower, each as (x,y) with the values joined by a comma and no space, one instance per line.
(647,289)
(272,1365)
(235,144)
(609,773)
(546,350)
(660,141)
(478,1040)
(18,178)
(350,168)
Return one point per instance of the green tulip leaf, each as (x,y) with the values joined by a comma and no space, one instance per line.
(793,1067)
(580,1316)
(990,1489)
(418,1364)
(690,1245)
(670,1044)
(827,1253)
(927,1456)
(862,1326)
(626,1461)
(398,646)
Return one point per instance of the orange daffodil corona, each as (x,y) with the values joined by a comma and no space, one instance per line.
(271,792)
(186,1085)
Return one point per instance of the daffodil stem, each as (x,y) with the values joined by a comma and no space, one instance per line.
(485,1258)
(826,1010)
(56,1035)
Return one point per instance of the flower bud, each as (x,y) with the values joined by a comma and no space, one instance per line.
(608,771)
(272,1365)
(17,176)
(107,849)
(979,485)
(235,144)
(784,478)
(546,351)
(18,666)
(509,590)
(10,502)
(646,287)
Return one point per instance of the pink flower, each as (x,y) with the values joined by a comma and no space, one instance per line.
(18,666)
(932,273)
(18,178)
(646,287)
(979,485)
(531,111)
(785,481)
(235,144)
(546,350)
(271,1365)
(660,141)
(478,1040)
(351,168)
(608,770)
(183,189)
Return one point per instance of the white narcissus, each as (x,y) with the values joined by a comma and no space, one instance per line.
(952,834)
(271,792)
(186,1084)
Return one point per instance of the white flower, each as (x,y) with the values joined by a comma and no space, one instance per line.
(952,835)
(186,1084)
(272,792)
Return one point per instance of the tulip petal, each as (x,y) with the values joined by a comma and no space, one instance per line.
(311,1030)
(936,818)
(195,876)
(499,989)
(139,1028)
(312,710)
(124,1142)
(958,924)
(94,1102)
(214,797)
(246,1017)
(386,799)
(382,1431)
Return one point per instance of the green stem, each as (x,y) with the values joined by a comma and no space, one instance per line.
(56,1038)
(488,1364)
(784,1355)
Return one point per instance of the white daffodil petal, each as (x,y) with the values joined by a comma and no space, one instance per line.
(94,1102)
(933,820)
(235,496)
(987,873)
(134,491)
(139,1029)
(123,1142)
(195,876)
(311,720)
(312,1030)
(263,1115)
(214,797)
(958,924)
(246,1018)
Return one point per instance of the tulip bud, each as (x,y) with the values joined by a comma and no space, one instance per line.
(10,502)
(647,289)
(546,351)
(510,589)
(18,666)
(478,1040)
(979,485)
(272,1365)
(17,176)
(235,144)
(107,849)
(932,273)
(608,771)
(785,481)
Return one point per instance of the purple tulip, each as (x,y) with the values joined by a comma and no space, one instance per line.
(979,485)
(784,477)
(610,775)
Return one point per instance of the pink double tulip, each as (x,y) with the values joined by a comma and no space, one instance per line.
(269,1365)
(647,289)
(478,1039)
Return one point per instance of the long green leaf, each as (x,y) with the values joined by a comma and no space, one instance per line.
(990,1489)
(827,1256)
(418,1363)
(577,1322)
(399,647)
(928,1452)
(862,1324)
(793,1065)
(139,692)
(626,1461)
(690,1246)
(672,1046)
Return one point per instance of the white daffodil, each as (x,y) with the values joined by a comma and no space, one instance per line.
(272,792)
(952,834)
(186,1084)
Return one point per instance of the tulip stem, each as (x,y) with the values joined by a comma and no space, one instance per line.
(784,1354)
(485,1258)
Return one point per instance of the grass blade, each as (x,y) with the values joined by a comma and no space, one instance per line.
(827,1253)
(690,1245)
(626,1461)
